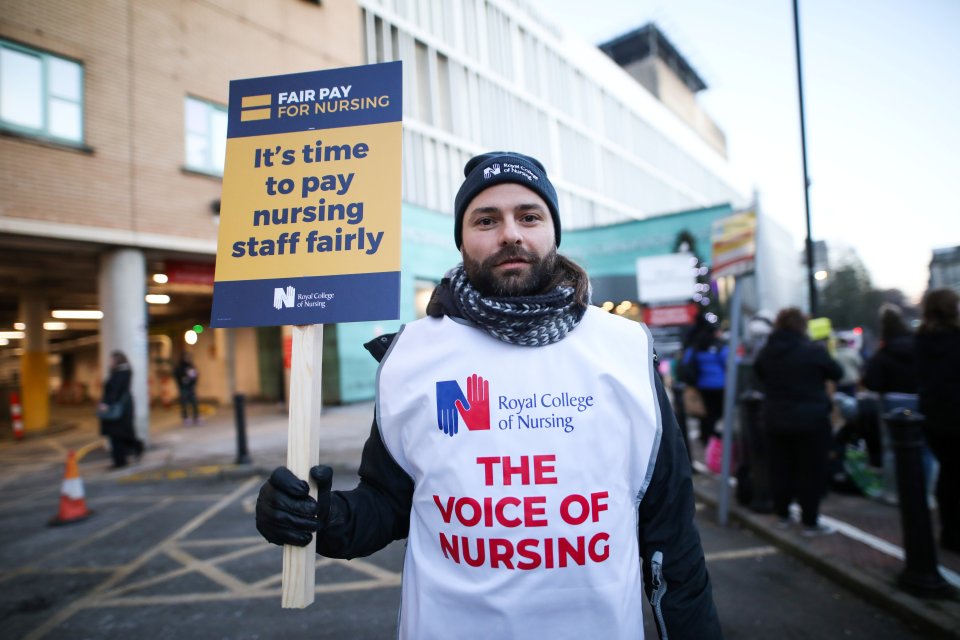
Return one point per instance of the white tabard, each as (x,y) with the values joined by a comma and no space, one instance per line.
(524,519)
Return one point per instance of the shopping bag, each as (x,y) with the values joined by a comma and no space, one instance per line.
(693,403)
(714,455)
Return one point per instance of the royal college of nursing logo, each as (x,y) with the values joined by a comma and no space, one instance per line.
(491,171)
(474,407)
(283,298)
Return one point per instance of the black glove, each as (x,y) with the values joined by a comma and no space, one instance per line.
(286,514)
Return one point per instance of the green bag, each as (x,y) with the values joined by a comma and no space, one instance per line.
(865,477)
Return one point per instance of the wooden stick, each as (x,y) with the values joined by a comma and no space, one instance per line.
(303,452)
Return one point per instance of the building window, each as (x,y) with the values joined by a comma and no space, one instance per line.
(40,94)
(206,139)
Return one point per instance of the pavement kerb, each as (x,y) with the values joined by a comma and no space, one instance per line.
(924,613)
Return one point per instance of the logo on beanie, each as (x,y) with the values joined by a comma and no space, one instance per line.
(492,170)
(520,170)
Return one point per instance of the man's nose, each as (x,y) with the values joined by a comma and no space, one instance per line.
(511,233)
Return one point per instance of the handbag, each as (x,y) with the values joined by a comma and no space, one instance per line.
(693,402)
(112,412)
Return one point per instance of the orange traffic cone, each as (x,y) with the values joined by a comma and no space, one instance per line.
(16,413)
(73,508)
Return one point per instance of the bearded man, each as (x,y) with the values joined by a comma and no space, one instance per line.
(522,444)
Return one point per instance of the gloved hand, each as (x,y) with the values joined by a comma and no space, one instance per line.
(286,514)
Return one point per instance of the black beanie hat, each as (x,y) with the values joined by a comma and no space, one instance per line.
(496,167)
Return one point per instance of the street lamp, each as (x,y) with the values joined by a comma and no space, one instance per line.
(811,285)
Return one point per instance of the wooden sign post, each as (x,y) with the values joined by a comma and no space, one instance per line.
(303,452)
(310,232)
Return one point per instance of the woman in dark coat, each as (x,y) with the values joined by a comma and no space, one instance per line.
(796,414)
(116,391)
(938,382)
(892,369)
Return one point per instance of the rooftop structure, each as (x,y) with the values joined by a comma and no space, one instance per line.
(647,55)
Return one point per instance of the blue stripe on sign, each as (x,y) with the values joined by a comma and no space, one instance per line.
(368,83)
(307,300)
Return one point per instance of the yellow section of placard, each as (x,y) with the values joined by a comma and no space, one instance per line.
(254,114)
(311,203)
(255,101)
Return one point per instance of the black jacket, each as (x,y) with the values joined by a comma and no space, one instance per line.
(793,371)
(377,512)
(893,368)
(186,375)
(938,376)
(116,388)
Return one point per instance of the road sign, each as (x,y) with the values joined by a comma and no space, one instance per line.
(669,277)
(734,241)
(670,315)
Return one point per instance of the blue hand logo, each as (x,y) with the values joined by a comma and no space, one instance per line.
(448,395)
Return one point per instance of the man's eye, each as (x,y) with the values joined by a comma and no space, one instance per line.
(484,222)
(531,217)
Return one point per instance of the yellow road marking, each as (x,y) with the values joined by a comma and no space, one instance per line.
(96,594)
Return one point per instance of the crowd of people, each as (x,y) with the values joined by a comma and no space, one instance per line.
(807,386)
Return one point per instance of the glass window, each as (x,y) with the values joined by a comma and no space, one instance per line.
(40,94)
(206,136)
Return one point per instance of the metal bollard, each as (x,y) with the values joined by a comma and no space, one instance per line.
(239,414)
(920,575)
(758,496)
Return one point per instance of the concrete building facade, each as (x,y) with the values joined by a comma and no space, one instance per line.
(945,268)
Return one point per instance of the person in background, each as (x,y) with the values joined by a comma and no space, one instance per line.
(758,330)
(513,393)
(851,362)
(704,365)
(938,385)
(186,375)
(796,415)
(891,369)
(116,411)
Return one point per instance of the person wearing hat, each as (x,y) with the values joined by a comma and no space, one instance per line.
(537,473)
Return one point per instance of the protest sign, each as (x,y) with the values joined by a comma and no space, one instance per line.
(310,212)
(310,231)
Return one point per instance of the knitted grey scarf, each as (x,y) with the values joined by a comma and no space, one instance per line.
(529,321)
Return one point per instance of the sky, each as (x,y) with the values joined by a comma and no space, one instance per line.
(881,90)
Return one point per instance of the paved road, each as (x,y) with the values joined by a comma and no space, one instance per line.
(180,558)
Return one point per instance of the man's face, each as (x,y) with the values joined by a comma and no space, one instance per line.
(508,242)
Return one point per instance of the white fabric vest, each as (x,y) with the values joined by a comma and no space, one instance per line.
(524,520)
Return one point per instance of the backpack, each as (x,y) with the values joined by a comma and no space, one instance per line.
(689,372)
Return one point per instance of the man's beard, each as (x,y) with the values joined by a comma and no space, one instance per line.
(513,282)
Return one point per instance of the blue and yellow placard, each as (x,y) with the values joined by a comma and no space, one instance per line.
(310,211)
